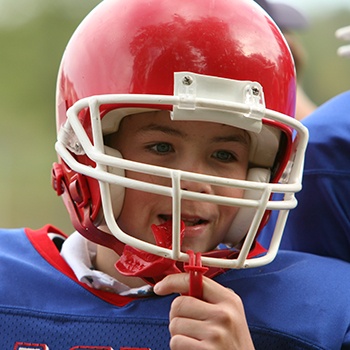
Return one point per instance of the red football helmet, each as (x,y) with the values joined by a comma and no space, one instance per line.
(221,61)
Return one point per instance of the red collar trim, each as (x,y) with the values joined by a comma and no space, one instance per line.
(47,249)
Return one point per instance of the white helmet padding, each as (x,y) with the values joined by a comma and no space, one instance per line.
(244,217)
(117,192)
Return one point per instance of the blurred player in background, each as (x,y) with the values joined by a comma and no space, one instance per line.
(290,21)
(321,222)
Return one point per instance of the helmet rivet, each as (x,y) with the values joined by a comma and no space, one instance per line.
(187,80)
(255,91)
(77,147)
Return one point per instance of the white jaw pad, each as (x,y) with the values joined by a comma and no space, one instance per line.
(244,217)
(117,192)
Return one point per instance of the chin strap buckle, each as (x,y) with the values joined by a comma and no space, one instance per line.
(196,270)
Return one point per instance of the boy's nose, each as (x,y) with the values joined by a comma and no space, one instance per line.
(195,186)
(199,187)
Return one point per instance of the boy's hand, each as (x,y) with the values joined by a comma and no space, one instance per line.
(216,322)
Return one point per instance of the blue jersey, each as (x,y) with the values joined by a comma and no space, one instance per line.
(299,301)
(320,224)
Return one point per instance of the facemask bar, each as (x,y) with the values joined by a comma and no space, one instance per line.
(73,130)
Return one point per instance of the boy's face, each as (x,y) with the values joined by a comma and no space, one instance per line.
(200,147)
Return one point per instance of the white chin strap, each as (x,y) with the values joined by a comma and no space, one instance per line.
(244,217)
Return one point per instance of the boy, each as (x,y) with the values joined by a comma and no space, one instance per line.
(174,123)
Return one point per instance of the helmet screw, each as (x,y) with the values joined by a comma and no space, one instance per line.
(77,147)
(187,80)
(255,91)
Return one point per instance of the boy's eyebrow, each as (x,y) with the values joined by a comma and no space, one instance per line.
(162,128)
(242,138)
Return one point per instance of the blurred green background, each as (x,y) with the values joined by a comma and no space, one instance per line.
(33,35)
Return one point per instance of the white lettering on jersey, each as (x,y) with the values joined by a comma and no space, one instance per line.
(30,346)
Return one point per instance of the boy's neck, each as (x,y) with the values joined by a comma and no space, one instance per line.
(105,261)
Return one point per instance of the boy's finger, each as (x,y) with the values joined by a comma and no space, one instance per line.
(179,283)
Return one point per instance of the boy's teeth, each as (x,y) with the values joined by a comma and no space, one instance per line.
(187,222)
(192,222)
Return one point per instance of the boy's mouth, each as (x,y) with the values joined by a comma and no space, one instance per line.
(188,221)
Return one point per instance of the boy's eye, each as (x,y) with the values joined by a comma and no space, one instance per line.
(162,147)
(224,156)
